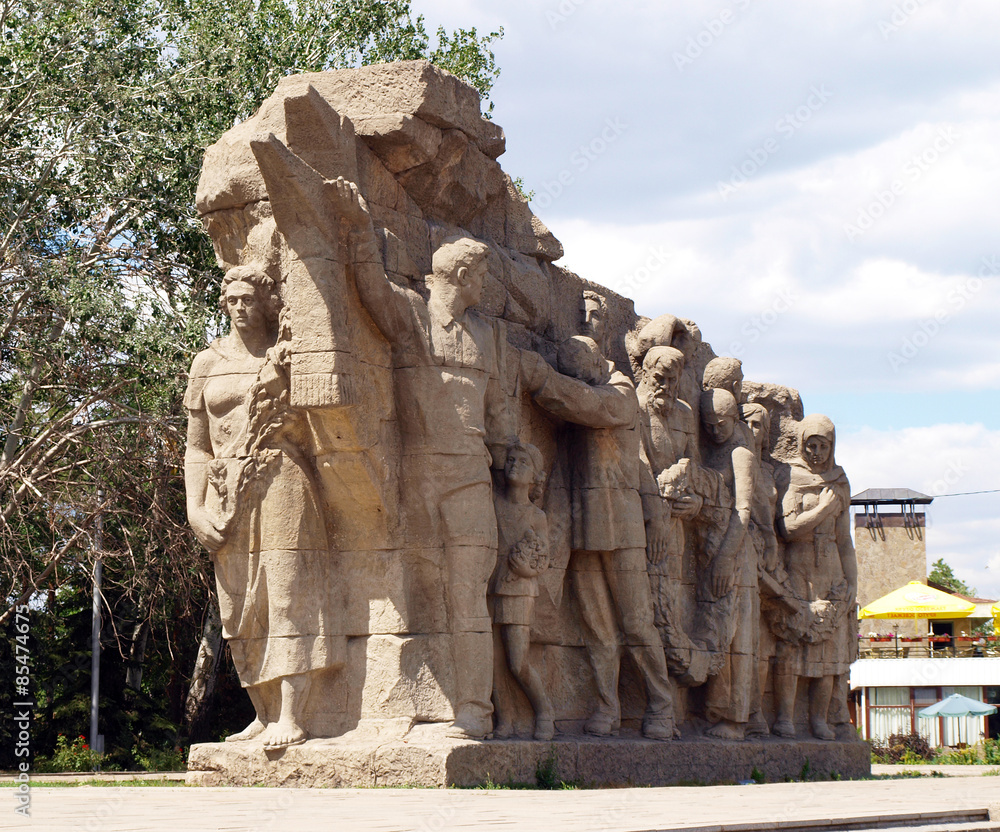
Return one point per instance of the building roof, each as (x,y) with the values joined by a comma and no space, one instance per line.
(888,496)
(968,598)
(905,673)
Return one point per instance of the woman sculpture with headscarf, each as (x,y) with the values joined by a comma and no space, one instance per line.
(822,574)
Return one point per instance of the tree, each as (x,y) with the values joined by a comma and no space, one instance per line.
(942,575)
(108,284)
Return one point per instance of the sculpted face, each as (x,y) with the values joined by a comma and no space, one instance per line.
(471,279)
(593,320)
(718,426)
(816,451)
(663,380)
(755,421)
(519,469)
(244,307)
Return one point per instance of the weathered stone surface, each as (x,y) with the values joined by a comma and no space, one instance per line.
(440,510)
(428,760)
(400,140)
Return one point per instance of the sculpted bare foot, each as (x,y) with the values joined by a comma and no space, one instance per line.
(282,735)
(468,728)
(783,728)
(254,729)
(726,730)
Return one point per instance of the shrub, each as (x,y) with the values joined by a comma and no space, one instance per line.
(959,757)
(908,749)
(150,758)
(70,756)
(991,752)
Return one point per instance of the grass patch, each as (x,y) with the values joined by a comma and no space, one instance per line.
(101,782)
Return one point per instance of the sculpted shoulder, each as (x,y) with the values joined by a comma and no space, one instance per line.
(207,360)
(620,380)
(682,417)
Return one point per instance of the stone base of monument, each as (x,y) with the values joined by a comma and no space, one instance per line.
(426,757)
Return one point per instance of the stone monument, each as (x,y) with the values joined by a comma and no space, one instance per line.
(467,511)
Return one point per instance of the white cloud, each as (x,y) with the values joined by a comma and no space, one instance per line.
(939,460)
(647,216)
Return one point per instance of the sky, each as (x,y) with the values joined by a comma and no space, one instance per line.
(815,184)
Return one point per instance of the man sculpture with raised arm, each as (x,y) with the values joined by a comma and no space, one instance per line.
(446,361)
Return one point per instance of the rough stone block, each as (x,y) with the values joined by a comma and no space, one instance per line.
(427,758)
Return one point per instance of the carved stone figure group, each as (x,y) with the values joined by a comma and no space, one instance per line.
(445,482)
(720,571)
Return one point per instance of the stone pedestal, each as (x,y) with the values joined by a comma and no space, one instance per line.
(425,757)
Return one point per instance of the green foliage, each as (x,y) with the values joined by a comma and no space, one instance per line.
(991,752)
(758,776)
(108,287)
(70,755)
(942,574)
(519,184)
(547,773)
(150,758)
(907,749)
(968,756)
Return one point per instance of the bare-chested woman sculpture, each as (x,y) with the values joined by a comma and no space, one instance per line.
(252,501)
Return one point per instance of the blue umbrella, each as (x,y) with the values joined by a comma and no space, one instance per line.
(957,705)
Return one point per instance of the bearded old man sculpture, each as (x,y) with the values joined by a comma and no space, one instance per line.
(444,525)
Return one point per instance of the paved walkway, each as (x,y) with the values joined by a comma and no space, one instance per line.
(169,809)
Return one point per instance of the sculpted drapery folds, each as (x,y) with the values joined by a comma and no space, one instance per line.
(822,572)
(728,598)
(368,470)
(770,567)
(670,450)
(447,363)
(253,502)
(601,448)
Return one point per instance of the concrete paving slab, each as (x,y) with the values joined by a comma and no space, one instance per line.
(193,809)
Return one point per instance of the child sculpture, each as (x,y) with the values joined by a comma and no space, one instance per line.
(523,554)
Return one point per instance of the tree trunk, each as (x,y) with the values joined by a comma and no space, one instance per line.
(206,670)
(137,650)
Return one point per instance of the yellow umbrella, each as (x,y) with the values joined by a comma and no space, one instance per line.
(917,600)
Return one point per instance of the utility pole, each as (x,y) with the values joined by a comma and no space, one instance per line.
(96,740)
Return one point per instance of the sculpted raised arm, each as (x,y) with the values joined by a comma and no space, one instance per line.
(383,300)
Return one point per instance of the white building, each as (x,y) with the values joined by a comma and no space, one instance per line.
(890,692)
